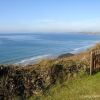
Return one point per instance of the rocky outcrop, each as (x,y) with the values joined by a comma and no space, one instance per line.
(65,55)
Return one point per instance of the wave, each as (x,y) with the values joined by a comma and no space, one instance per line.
(32,59)
(77,50)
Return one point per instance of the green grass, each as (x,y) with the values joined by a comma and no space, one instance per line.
(82,88)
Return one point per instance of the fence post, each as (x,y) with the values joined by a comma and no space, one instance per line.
(91,63)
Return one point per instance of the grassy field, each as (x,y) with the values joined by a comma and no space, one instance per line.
(81,88)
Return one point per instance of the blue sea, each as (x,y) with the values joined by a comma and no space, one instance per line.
(27,47)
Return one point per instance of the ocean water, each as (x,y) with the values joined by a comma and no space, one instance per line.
(26,48)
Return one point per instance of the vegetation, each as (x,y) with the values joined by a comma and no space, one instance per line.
(81,88)
(49,78)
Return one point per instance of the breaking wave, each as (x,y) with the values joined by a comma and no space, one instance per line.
(32,59)
(77,50)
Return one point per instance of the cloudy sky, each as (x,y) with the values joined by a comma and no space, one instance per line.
(49,15)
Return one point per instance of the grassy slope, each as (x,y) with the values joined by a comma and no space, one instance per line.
(82,88)
(73,89)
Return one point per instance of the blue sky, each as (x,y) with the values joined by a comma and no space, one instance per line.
(49,15)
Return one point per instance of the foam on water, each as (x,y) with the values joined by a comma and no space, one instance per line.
(79,49)
(32,59)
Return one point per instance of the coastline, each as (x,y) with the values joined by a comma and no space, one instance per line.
(37,59)
(45,74)
(31,48)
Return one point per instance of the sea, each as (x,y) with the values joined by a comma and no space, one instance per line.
(23,48)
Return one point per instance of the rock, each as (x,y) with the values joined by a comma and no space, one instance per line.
(65,55)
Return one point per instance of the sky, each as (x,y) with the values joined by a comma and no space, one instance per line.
(49,16)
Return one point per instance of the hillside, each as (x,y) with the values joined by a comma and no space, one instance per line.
(32,81)
(82,88)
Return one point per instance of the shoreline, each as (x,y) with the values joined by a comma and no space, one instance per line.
(37,59)
(60,44)
(45,74)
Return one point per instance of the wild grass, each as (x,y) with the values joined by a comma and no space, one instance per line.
(81,88)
